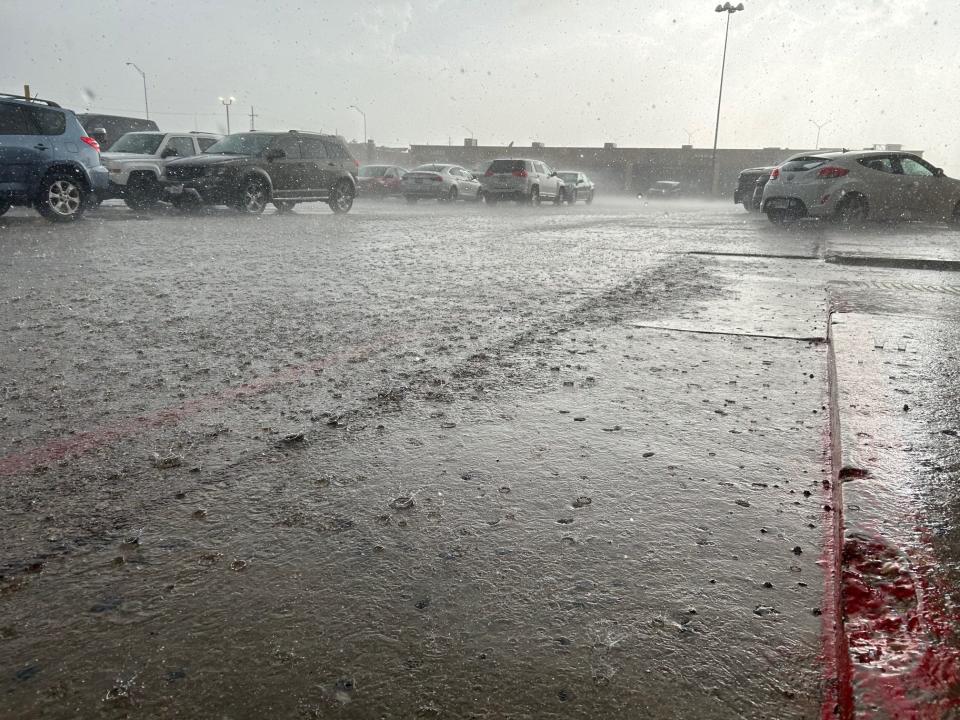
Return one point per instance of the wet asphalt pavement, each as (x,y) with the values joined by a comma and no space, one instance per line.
(432,462)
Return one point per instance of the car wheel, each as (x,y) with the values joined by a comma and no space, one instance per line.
(572,197)
(341,199)
(411,200)
(254,195)
(4,206)
(589,198)
(452,195)
(955,218)
(284,206)
(142,193)
(780,216)
(558,198)
(852,209)
(535,196)
(481,197)
(62,198)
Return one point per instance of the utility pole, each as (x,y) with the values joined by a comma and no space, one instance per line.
(820,126)
(252,116)
(729,10)
(227,102)
(143,75)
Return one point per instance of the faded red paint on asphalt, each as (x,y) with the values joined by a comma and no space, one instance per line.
(80,443)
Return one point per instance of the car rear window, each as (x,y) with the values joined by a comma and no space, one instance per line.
(373,171)
(336,150)
(505,166)
(18,119)
(803,164)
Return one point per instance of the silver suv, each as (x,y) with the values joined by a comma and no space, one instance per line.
(137,161)
(526,181)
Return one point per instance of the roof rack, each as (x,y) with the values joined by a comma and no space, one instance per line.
(51,103)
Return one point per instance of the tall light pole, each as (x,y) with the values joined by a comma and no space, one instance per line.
(227,102)
(729,10)
(820,126)
(354,107)
(146,105)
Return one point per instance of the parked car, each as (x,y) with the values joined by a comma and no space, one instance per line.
(137,161)
(249,170)
(47,160)
(578,186)
(438,181)
(665,189)
(526,181)
(380,180)
(107,129)
(750,184)
(860,185)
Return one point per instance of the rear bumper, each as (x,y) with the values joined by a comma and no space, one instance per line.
(99,179)
(434,190)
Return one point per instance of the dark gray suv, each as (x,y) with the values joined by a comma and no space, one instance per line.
(47,161)
(248,170)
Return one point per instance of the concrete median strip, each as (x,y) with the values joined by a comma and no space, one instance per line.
(897,636)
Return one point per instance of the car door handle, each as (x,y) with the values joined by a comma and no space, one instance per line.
(40,146)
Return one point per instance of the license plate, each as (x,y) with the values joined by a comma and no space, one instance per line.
(175,189)
(778,203)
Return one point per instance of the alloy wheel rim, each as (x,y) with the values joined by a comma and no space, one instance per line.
(253,198)
(344,200)
(63,197)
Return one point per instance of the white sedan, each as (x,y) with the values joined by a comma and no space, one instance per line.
(440,182)
(860,185)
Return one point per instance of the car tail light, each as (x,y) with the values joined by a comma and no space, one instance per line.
(436,178)
(91,142)
(488,173)
(832,171)
(519,173)
(356,163)
(775,173)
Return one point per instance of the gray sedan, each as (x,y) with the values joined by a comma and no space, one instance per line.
(441,182)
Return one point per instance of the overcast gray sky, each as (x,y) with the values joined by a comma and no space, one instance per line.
(565,72)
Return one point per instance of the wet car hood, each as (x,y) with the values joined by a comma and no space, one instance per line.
(209,159)
(122,156)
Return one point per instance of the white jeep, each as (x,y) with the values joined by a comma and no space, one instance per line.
(137,160)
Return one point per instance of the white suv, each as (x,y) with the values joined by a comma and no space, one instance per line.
(137,160)
(526,181)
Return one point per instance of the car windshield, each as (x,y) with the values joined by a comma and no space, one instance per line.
(240,144)
(568,176)
(139,143)
(429,168)
(373,171)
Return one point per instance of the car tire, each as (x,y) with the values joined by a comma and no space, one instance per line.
(558,198)
(589,199)
(780,216)
(572,197)
(481,197)
(852,209)
(143,193)
(4,206)
(534,200)
(62,198)
(341,197)
(955,218)
(284,206)
(411,200)
(254,195)
(452,195)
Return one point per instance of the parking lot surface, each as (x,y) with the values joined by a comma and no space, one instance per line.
(429,461)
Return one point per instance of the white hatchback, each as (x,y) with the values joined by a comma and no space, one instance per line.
(860,185)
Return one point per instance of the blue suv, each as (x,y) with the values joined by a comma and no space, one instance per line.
(46,159)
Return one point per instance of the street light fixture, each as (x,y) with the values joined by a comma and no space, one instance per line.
(729,10)
(820,126)
(227,102)
(354,107)
(146,105)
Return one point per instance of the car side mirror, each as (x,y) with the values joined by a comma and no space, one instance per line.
(100,135)
(169,152)
(276,154)
(553,174)
(938,172)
